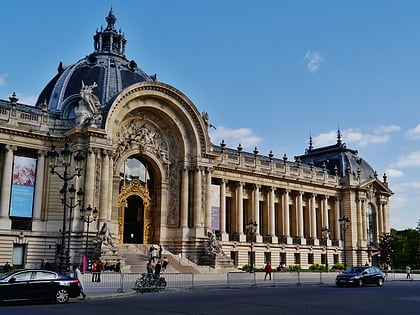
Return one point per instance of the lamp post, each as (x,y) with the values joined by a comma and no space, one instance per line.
(64,158)
(344,225)
(251,227)
(71,206)
(88,216)
(325,235)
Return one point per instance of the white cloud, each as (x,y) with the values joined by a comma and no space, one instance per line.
(394,173)
(3,79)
(414,133)
(233,137)
(355,136)
(413,159)
(314,59)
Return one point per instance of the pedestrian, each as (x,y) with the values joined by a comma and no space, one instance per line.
(150,267)
(94,270)
(408,271)
(99,269)
(267,271)
(45,265)
(160,251)
(7,267)
(118,267)
(165,263)
(158,268)
(78,276)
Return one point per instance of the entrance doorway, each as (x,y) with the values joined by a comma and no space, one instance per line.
(133,220)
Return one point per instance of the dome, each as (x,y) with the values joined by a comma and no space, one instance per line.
(338,159)
(106,71)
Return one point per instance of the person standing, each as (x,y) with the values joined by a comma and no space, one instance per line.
(165,263)
(94,271)
(268,271)
(408,271)
(7,267)
(78,276)
(150,267)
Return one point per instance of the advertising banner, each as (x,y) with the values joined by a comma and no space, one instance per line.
(215,207)
(23,184)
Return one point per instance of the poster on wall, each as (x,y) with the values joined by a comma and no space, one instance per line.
(23,184)
(215,207)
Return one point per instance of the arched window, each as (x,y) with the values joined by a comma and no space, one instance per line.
(136,168)
(370,219)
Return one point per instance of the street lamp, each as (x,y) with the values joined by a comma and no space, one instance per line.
(251,227)
(325,235)
(64,158)
(71,206)
(88,215)
(344,225)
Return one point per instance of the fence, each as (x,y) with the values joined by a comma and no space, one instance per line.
(124,282)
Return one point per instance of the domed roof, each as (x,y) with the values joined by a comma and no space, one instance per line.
(338,159)
(106,69)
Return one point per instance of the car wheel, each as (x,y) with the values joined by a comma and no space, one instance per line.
(360,283)
(62,295)
(380,282)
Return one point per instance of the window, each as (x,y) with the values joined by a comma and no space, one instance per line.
(18,259)
(282,258)
(311,258)
(370,224)
(297,258)
(323,260)
(23,276)
(267,257)
(44,275)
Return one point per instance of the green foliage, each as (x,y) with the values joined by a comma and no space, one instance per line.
(338,266)
(400,248)
(294,268)
(246,267)
(317,267)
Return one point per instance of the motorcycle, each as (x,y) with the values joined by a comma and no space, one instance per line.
(149,282)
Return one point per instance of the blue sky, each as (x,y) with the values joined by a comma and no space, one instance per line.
(269,73)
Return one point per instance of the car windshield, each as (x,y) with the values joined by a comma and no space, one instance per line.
(354,269)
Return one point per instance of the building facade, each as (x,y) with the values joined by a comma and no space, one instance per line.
(154,176)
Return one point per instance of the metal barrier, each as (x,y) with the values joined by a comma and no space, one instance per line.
(124,282)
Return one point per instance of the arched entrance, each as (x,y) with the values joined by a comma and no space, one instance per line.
(133,220)
(135,205)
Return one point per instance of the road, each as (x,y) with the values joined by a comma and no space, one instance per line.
(393,298)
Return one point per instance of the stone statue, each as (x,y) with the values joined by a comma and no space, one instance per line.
(104,242)
(90,99)
(213,246)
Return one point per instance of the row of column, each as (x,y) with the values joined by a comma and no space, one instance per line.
(284,212)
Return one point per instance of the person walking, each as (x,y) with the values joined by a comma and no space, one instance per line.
(408,271)
(78,276)
(267,271)
(150,267)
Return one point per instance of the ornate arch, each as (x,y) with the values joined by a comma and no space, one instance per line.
(136,188)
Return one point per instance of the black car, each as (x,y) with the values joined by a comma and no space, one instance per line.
(360,276)
(37,284)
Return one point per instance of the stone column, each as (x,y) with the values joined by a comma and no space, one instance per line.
(208,199)
(223,207)
(103,200)
(313,216)
(286,212)
(256,208)
(110,184)
(325,214)
(337,216)
(271,215)
(6,182)
(197,198)
(90,178)
(300,214)
(359,220)
(240,208)
(39,185)
(184,197)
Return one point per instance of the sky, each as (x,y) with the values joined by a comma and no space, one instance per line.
(269,73)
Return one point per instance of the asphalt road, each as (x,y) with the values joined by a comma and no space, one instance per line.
(393,298)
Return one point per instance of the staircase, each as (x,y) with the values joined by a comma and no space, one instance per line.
(134,258)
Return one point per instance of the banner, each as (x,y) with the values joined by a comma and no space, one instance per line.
(23,184)
(215,207)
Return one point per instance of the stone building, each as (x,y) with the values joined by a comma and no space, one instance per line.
(154,176)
